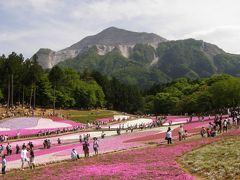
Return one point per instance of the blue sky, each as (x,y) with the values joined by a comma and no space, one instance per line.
(27,25)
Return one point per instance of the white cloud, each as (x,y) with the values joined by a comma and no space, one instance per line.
(227,36)
(29,25)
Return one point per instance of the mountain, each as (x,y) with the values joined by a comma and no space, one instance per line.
(105,41)
(142,59)
(146,65)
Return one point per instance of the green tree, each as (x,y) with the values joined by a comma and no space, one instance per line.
(1,95)
(225,93)
(164,103)
(149,104)
(63,99)
(45,92)
(56,75)
(89,95)
(32,76)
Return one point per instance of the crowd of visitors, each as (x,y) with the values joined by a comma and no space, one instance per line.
(141,126)
(58,131)
(23,155)
(218,126)
(84,137)
(221,125)
(46,144)
(17,111)
(85,146)
(182,134)
(3,138)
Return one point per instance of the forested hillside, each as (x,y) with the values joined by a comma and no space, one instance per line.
(24,82)
(147,66)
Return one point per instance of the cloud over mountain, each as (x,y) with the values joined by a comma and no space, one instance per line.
(28,25)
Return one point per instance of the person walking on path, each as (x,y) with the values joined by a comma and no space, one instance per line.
(180,133)
(169,135)
(203,132)
(9,149)
(95,146)
(17,149)
(32,156)
(24,157)
(225,125)
(59,141)
(4,164)
(86,148)
(80,138)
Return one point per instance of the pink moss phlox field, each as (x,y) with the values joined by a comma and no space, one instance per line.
(148,163)
(107,170)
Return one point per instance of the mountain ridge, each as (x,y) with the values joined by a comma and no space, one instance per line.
(105,41)
(147,66)
(134,60)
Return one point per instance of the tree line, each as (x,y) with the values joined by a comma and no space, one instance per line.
(24,82)
(207,95)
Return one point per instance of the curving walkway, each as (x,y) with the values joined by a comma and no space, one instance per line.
(62,152)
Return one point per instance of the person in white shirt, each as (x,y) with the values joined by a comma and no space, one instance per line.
(181,133)
(169,136)
(95,146)
(225,125)
(4,163)
(24,157)
(74,154)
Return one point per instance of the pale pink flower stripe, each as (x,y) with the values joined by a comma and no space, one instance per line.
(113,143)
(29,132)
(19,122)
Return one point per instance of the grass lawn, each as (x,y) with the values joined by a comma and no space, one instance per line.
(87,116)
(219,160)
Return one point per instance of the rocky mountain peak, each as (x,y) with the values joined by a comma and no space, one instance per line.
(113,36)
(105,41)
